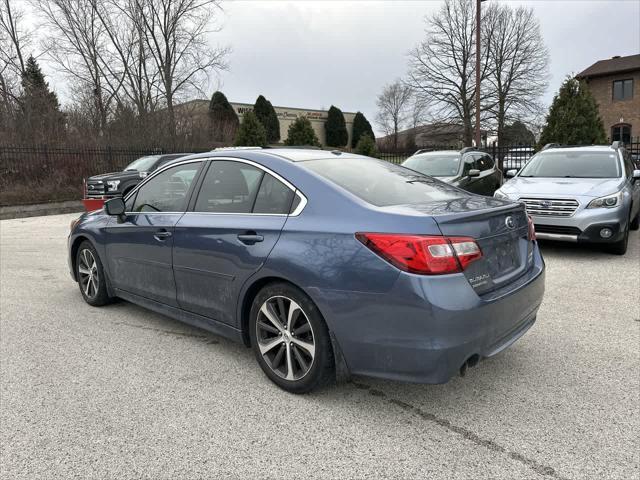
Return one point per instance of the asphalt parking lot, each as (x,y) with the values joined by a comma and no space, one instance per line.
(120,392)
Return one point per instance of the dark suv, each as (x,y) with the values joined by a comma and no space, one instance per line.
(120,183)
(469,169)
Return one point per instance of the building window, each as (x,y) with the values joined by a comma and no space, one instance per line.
(623,89)
(621,133)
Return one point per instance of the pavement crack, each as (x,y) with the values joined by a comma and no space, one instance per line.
(211,341)
(467,434)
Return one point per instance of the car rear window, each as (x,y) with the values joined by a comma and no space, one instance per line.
(381,183)
(572,164)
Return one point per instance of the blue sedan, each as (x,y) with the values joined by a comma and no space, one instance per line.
(324,263)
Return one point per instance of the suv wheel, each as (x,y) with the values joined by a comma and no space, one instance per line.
(90,275)
(620,248)
(635,223)
(290,339)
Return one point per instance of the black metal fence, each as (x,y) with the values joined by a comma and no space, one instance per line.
(35,174)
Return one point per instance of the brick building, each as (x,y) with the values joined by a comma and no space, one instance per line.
(615,84)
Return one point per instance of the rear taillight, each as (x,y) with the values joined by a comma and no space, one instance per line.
(532,229)
(422,254)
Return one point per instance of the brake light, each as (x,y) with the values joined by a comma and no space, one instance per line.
(532,229)
(422,254)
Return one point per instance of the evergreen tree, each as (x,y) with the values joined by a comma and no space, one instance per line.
(268,117)
(367,146)
(335,128)
(301,134)
(361,126)
(251,132)
(223,119)
(40,119)
(517,134)
(573,117)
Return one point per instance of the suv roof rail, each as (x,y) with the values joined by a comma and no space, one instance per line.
(550,145)
(421,150)
(219,149)
(617,144)
(470,149)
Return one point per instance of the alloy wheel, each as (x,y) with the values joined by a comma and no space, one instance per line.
(88,273)
(285,338)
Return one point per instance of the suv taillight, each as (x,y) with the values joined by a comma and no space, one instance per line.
(422,254)
(532,229)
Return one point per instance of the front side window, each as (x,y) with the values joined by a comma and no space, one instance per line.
(484,162)
(167,191)
(573,165)
(623,89)
(470,163)
(381,183)
(435,164)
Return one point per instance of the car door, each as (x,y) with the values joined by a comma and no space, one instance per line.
(226,236)
(139,245)
(471,184)
(634,184)
(487,178)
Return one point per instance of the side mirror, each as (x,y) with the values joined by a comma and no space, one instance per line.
(474,172)
(511,173)
(636,175)
(114,206)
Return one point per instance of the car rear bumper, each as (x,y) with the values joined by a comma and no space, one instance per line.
(427,328)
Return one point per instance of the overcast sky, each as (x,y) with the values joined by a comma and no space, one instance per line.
(313,54)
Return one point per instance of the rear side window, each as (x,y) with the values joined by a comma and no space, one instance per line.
(167,191)
(485,162)
(229,187)
(273,196)
(381,183)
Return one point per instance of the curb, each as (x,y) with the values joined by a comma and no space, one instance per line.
(39,209)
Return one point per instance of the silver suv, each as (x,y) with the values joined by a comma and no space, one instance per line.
(579,194)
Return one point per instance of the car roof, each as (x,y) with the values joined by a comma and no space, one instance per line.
(586,148)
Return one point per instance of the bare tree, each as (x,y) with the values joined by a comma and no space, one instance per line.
(442,67)
(519,64)
(175,33)
(393,108)
(78,45)
(14,40)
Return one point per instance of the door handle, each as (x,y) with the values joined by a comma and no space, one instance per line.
(249,238)
(162,235)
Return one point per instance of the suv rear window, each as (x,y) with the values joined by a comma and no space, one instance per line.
(381,183)
(572,164)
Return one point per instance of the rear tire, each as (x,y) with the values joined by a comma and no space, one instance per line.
(290,339)
(91,277)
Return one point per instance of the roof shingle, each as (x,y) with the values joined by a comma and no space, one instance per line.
(611,66)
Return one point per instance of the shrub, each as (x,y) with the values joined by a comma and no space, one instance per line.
(301,133)
(251,132)
(367,146)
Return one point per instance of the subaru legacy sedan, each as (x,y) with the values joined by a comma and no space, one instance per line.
(324,263)
(469,169)
(580,194)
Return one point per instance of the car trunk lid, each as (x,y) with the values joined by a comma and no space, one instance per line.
(502,234)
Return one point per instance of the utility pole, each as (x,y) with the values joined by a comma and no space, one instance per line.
(478,136)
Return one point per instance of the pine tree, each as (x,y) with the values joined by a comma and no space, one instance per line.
(223,119)
(40,119)
(367,146)
(268,117)
(301,134)
(335,128)
(251,132)
(573,117)
(361,126)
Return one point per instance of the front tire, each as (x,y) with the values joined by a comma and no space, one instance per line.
(90,275)
(620,248)
(635,223)
(290,339)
